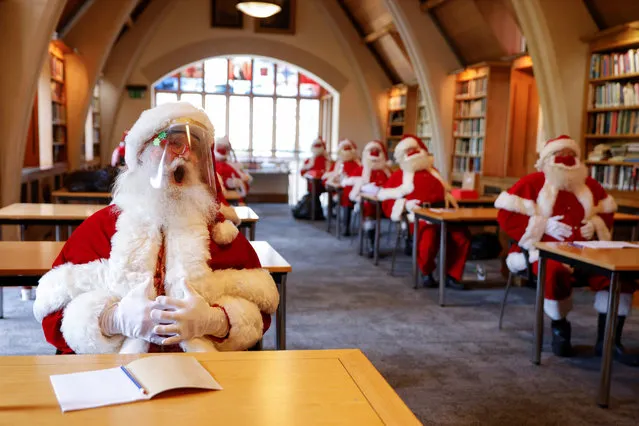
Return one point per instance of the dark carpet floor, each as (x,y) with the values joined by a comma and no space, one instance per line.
(450,365)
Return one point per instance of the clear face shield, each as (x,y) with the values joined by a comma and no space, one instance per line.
(181,156)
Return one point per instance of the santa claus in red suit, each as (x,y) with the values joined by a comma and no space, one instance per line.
(117,158)
(230,173)
(344,173)
(562,203)
(375,173)
(318,164)
(418,182)
(159,269)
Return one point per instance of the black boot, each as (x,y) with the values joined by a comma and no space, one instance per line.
(618,351)
(408,247)
(454,284)
(561,331)
(370,234)
(429,281)
(347,221)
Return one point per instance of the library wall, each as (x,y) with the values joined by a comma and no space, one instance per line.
(315,46)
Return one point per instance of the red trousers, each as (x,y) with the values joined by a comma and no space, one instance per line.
(369,210)
(560,280)
(345,201)
(457,249)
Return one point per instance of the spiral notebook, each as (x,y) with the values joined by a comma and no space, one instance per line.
(139,380)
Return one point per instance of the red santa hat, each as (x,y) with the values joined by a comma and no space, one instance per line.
(222,148)
(345,142)
(154,120)
(379,145)
(408,140)
(557,144)
(320,140)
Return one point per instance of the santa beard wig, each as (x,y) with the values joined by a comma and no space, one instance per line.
(563,177)
(345,156)
(317,151)
(416,162)
(171,203)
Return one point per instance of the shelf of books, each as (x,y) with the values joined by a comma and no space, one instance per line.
(611,134)
(423,129)
(469,121)
(401,114)
(95,110)
(58,103)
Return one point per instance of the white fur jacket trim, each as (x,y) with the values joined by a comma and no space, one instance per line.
(230,214)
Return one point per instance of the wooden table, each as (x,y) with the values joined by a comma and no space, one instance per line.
(47,214)
(232,196)
(444,217)
(22,263)
(248,219)
(613,263)
(319,387)
(334,190)
(378,224)
(63,196)
(483,201)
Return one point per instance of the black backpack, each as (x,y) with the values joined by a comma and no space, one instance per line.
(302,209)
(484,246)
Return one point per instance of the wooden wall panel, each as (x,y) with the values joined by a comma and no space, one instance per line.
(497,122)
(522,138)
(610,13)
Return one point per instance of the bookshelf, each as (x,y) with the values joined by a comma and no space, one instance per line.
(401,114)
(58,102)
(479,119)
(95,110)
(423,126)
(611,125)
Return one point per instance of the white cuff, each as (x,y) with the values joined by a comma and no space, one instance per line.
(625,303)
(246,324)
(557,309)
(398,209)
(534,232)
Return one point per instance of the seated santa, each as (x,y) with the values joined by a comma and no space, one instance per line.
(317,165)
(561,202)
(159,269)
(344,173)
(375,173)
(418,183)
(232,176)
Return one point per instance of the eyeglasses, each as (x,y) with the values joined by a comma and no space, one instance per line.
(179,142)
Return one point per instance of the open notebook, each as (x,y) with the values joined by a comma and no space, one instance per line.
(139,380)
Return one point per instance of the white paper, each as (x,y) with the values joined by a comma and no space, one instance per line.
(442,210)
(605,244)
(89,389)
(156,374)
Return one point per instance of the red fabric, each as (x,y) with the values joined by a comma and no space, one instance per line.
(315,167)
(464,194)
(558,278)
(427,189)
(219,193)
(227,171)
(92,241)
(379,178)
(351,169)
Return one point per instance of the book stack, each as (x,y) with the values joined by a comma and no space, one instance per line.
(468,127)
(614,123)
(613,95)
(614,64)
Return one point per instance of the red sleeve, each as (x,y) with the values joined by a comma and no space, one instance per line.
(393,181)
(89,242)
(306,166)
(599,194)
(514,224)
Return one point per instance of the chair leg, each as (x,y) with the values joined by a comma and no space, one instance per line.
(390,232)
(397,241)
(503,302)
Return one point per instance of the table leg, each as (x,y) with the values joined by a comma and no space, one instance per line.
(378,230)
(22,232)
(69,231)
(415,269)
(313,195)
(57,233)
(1,302)
(538,331)
(252,231)
(330,210)
(338,223)
(281,314)
(611,325)
(361,227)
(442,264)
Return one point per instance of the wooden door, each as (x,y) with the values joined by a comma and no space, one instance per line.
(524,117)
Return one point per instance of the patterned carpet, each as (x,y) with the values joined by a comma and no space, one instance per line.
(450,365)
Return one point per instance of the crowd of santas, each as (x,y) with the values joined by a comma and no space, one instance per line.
(416,183)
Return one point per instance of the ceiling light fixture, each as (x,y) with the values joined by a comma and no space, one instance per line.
(259,9)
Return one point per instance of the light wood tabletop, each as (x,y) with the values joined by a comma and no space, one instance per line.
(339,387)
(484,199)
(36,257)
(232,195)
(459,215)
(618,260)
(65,193)
(52,212)
(270,259)
(625,217)
(246,214)
(27,257)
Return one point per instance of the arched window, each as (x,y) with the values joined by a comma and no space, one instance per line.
(266,107)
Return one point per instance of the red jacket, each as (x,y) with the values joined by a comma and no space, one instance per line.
(227,171)
(317,166)
(423,186)
(82,279)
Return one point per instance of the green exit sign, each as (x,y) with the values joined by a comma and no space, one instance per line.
(136,91)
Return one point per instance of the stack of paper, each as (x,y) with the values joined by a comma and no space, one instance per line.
(605,244)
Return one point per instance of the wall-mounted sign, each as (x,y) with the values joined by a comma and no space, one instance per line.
(136,91)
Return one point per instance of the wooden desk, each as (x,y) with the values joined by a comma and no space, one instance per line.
(631,220)
(337,387)
(248,219)
(232,196)
(47,214)
(483,201)
(378,222)
(63,196)
(613,263)
(443,217)
(22,263)
(334,190)
(273,262)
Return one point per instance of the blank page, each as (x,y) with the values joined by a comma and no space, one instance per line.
(605,244)
(163,372)
(89,389)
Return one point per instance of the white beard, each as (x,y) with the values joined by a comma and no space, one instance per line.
(416,162)
(317,152)
(170,205)
(566,178)
(345,156)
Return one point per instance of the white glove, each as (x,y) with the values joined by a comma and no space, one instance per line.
(451,201)
(588,230)
(188,318)
(232,183)
(559,231)
(370,188)
(131,317)
(411,204)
